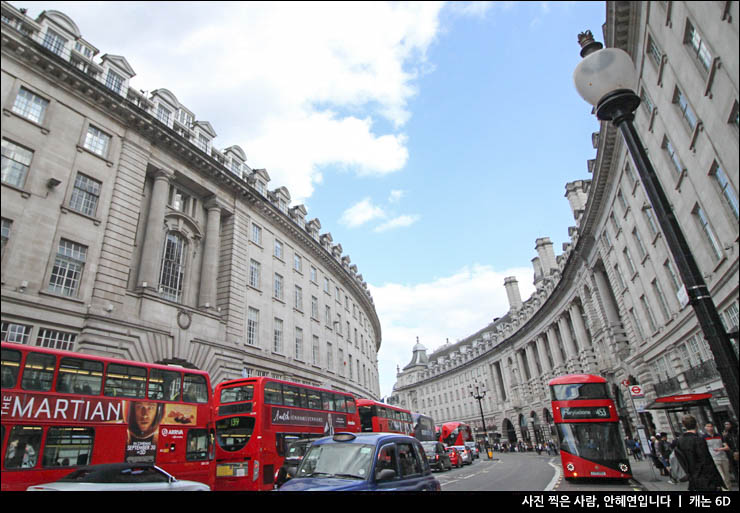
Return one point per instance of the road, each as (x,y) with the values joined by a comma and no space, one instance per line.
(519,472)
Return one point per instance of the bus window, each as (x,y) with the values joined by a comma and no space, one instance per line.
(11,364)
(327,401)
(291,396)
(233,433)
(195,389)
(237,394)
(273,393)
(339,404)
(125,381)
(314,399)
(197,445)
(164,385)
(67,446)
(23,447)
(351,406)
(38,372)
(79,376)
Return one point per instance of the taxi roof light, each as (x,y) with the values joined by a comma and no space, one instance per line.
(343,437)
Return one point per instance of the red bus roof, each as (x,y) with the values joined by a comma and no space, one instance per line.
(571,379)
(262,379)
(370,402)
(107,359)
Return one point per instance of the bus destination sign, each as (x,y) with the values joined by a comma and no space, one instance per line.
(308,418)
(585,412)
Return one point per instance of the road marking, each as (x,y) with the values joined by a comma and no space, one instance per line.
(556,479)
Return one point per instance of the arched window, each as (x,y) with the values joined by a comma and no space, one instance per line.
(173,267)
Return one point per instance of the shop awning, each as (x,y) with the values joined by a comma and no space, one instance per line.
(679,402)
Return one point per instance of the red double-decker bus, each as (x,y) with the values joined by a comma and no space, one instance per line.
(62,409)
(379,417)
(588,428)
(257,418)
(455,433)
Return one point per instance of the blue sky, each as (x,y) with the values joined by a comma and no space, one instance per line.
(432,140)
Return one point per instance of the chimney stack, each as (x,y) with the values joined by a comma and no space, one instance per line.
(512,291)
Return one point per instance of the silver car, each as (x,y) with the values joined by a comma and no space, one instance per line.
(119,477)
(465,454)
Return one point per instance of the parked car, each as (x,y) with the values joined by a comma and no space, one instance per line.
(465,455)
(436,455)
(293,456)
(473,449)
(364,462)
(455,457)
(119,477)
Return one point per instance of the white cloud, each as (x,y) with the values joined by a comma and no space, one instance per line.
(397,222)
(361,213)
(395,196)
(451,307)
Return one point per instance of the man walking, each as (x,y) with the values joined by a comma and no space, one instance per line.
(703,474)
(719,449)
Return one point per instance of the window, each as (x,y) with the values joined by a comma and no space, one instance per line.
(125,381)
(630,263)
(671,272)
(298,298)
(671,152)
(298,344)
(703,221)
(54,42)
(38,372)
(279,249)
(97,141)
(329,357)
(12,332)
(180,200)
(326,284)
(654,51)
(256,234)
(24,444)
(68,266)
(254,274)
(173,269)
(85,195)
(314,307)
(297,263)
(315,350)
(725,188)
(648,313)
(638,241)
(327,315)
(636,325)
(687,113)
(658,291)
(195,389)
(16,160)
(620,278)
(68,446)
(30,106)
(5,235)
(622,201)
(314,274)
(203,142)
(253,322)
(277,340)
(163,114)
(646,102)
(197,445)
(278,292)
(698,47)
(114,82)
(56,339)
(164,385)
(651,222)
(80,376)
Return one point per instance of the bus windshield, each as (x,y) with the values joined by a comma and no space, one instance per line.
(593,441)
(576,391)
(233,433)
(341,460)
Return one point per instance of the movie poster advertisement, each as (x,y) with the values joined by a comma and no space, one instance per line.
(144,420)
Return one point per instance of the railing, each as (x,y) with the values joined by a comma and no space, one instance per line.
(667,387)
(702,373)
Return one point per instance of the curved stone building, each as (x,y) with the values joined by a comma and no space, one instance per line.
(609,304)
(126,232)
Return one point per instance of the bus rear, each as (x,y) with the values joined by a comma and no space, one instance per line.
(455,433)
(588,428)
(258,418)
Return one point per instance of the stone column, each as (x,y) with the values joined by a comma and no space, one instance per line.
(552,340)
(536,376)
(522,373)
(154,239)
(587,352)
(570,348)
(544,360)
(209,265)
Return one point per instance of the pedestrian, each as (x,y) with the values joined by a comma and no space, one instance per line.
(638,450)
(664,452)
(730,435)
(719,449)
(698,462)
(655,456)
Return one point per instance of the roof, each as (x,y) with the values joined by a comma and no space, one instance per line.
(576,378)
(365,438)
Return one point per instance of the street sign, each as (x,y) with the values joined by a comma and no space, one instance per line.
(683,296)
(636,391)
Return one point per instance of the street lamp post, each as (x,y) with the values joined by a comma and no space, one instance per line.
(478,391)
(604,78)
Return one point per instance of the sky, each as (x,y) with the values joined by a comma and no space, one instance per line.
(433,140)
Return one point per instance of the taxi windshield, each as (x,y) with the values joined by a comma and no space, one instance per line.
(349,461)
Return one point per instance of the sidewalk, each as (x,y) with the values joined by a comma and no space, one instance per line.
(649,478)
